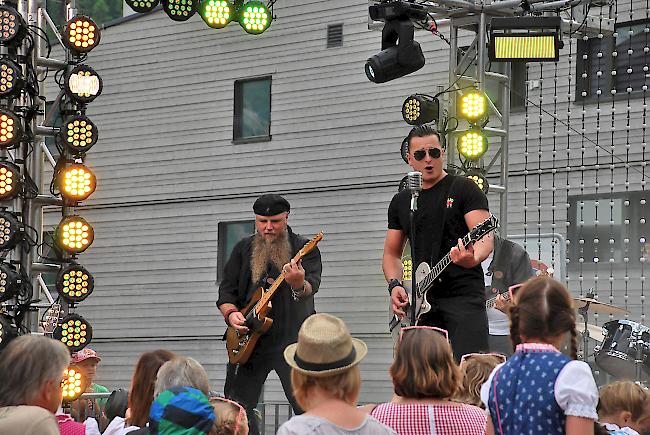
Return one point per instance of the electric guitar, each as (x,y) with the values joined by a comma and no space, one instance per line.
(425,277)
(240,345)
(490,302)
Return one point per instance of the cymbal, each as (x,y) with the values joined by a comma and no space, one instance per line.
(596,306)
(595,332)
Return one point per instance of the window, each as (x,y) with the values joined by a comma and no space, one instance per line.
(629,67)
(252,110)
(229,233)
(621,218)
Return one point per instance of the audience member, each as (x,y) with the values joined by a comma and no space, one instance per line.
(87,360)
(624,408)
(181,411)
(230,417)
(177,372)
(31,370)
(326,380)
(553,393)
(425,378)
(140,394)
(475,368)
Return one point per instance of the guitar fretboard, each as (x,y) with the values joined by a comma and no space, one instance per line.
(428,280)
(490,302)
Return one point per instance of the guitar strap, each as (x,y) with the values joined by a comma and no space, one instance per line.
(435,250)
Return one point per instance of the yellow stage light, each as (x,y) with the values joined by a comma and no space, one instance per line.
(472,145)
(473,106)
(76,182)
(81,34)
(74,234)
(73,384)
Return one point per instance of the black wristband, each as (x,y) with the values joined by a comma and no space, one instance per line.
(394,283)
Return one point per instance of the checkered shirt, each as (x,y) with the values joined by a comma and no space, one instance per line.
(423,419)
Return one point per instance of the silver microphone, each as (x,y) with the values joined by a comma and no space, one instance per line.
(414,183)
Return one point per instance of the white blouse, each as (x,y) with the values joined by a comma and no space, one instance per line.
(575,390)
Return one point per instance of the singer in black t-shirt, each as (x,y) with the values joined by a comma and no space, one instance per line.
(458,299)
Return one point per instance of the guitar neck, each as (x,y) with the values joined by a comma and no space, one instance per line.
(440,266)
(490,302)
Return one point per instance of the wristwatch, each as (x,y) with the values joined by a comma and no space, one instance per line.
(296,294)
(394,283)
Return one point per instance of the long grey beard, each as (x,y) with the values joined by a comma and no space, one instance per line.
(277,253)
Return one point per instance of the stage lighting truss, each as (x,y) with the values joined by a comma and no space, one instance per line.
(473,107)
(74,234)
(180,10)
(73,385)
(142,6)
(255,17)
(10,282)
(83,84)
(81,34)
(420,109)
(10,181)
(11,78)
(12,230)
(74,331)
(472,144)
(7,331)
(76,182)
(11,130)
(78,134)
(12,26)
(217,13)
(74,283)
(478,176)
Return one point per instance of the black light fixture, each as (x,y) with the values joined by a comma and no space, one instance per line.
(10,282)
(7,331)
(12,230)
(83,84)
(81,34)
(180,10)
(74,331)
(11,78)
(79,134)
(525,39)
(478,176)
(11,130)
(74,283)
(10,181)
(420,109)
(404,149)
(142,6)
(12,26)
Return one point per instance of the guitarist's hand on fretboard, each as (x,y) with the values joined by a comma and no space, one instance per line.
(501,304)
(463,256)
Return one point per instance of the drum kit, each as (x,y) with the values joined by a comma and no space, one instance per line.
(624,346)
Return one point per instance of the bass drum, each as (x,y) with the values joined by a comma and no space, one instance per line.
(618,351)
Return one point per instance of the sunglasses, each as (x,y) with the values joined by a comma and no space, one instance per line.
(240,416)
(434,153)
(432,328)
(501,357)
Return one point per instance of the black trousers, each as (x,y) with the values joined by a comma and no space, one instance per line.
(244,382)
(465,320)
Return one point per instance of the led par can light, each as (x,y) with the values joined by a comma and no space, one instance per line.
(11,130)
(420,109)
(472,144)
(83,84)
(254,17)
(74,331)
(76,182)
(78,134)
(74,283)
(142,6)
(12,230)
(10,181)
(180,10)
(74,384)
(74,234)
(217,13)
(81,34)
(478,177)
(9,282)
(12,26)
(11,78)
(473,106)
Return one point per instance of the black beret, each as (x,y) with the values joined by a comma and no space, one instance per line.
(270,205)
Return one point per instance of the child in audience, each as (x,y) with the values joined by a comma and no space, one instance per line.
(624,408)
(475,368)
(230,417)
(539,390)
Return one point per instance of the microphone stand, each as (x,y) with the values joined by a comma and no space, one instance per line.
(414,285)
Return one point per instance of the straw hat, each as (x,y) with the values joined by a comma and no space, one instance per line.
(324,347)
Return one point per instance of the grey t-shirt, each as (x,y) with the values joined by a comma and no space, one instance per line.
(309,424)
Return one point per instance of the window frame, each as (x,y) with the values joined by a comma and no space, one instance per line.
(237,125)
(222,231)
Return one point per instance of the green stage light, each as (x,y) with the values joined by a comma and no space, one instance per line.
(79,134)
(472,144)
(216,13)
(142,6)
(74,283)
(74,331)
(180,10)
(255,17)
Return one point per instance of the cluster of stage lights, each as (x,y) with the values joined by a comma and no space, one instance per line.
(253,16)
(74,331)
